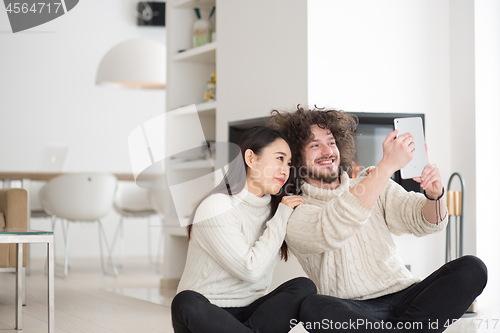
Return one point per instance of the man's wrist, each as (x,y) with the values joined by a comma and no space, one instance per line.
(383,170)
(434,197)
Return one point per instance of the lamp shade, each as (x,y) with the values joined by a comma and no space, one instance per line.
(136,63)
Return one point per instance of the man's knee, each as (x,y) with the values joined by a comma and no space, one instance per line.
(476,270)
(470,273)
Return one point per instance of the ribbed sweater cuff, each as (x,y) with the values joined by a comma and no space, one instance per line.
(283,212)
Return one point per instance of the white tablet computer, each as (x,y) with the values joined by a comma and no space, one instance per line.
(414,126)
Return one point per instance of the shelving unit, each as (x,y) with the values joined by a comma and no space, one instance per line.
(188,71)
(202,54)
(190,4)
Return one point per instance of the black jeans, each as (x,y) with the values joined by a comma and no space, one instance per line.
(427,306)
(274,312)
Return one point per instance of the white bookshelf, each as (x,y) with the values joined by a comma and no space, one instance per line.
(188,71)
(188,4)
(201,54)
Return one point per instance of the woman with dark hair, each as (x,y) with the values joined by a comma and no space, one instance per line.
(235,240)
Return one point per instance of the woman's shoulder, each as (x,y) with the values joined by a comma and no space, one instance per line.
(216,200)
(215,205)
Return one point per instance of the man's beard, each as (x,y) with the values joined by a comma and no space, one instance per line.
(322,176)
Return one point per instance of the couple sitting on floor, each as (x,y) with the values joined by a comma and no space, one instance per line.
(339,229)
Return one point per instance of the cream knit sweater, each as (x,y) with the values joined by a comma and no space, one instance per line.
(234,248)
(346,247)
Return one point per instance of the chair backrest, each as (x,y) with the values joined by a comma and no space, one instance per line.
(131,198)
(51,160)
(79,196)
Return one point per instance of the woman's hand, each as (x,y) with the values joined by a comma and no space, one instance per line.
(292,201)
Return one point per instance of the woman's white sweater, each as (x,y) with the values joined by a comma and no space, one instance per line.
(234,248)
(346,247)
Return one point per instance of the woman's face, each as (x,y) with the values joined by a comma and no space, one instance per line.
(269,171)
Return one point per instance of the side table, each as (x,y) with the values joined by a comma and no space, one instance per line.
(20,237)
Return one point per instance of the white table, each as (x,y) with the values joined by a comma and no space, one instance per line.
(27,236)
(27,176)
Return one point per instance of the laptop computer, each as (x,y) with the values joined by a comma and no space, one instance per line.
(53,157)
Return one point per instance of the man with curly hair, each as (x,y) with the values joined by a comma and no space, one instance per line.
(342,235)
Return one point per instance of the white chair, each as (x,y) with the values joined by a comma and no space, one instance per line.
(35,204)
(51,160)
(81,197)
(132,201)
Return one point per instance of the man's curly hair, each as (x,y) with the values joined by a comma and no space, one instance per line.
(296,126)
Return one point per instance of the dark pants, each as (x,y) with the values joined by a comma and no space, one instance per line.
(427,306)
(274,312)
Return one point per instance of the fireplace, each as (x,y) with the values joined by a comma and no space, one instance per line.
(371,132)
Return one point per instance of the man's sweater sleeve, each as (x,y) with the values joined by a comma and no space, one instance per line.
(313,229)
(219,233)
(404,212)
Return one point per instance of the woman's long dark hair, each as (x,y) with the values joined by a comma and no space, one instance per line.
(256,139)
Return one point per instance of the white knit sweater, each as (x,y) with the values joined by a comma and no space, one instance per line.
(346,247)
(234,248)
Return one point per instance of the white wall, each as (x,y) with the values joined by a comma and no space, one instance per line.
(487,65)
(47,94)
(462,120)
(387,56)
(261,59)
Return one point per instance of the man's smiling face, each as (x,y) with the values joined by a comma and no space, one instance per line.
(322,157)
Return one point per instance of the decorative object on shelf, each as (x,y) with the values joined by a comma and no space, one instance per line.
(202,30)
(151,14)
(210,93)
(137,63)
